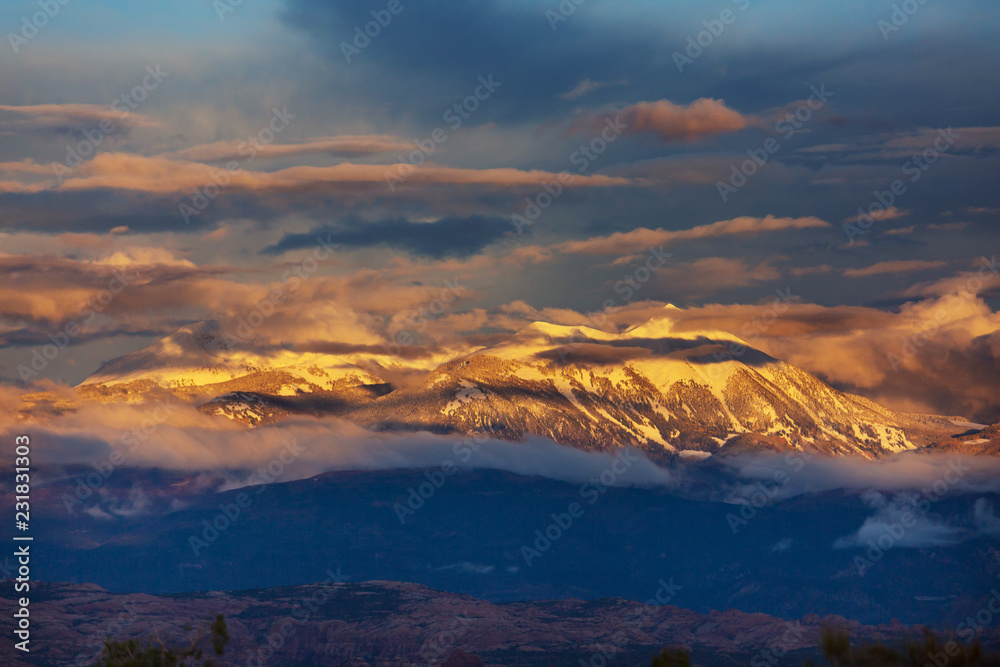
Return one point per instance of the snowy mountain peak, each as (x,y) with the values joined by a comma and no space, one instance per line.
(540,336)
(203,354)
(667,325)
(655,386)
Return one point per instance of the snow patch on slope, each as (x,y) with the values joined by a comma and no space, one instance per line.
(466,393)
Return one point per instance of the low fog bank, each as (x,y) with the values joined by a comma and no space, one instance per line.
(171,435)
(218,455)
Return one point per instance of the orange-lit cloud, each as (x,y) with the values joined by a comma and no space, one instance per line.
(706,276)
(61,115)
(159,175)
(799,272)
(891,213)
(340,145)
(894,266)
(936,355)
(622,243)
(702,118)
(26,167)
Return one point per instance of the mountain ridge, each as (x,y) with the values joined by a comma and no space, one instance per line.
(652,386)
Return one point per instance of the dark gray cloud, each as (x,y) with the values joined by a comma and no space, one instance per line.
(441,238)
(103,210)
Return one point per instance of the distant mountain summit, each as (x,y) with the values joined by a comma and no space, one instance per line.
(204,355)
(671,392)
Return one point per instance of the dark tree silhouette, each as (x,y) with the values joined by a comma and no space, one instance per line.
(133,653)
(836,646)
(671,658)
